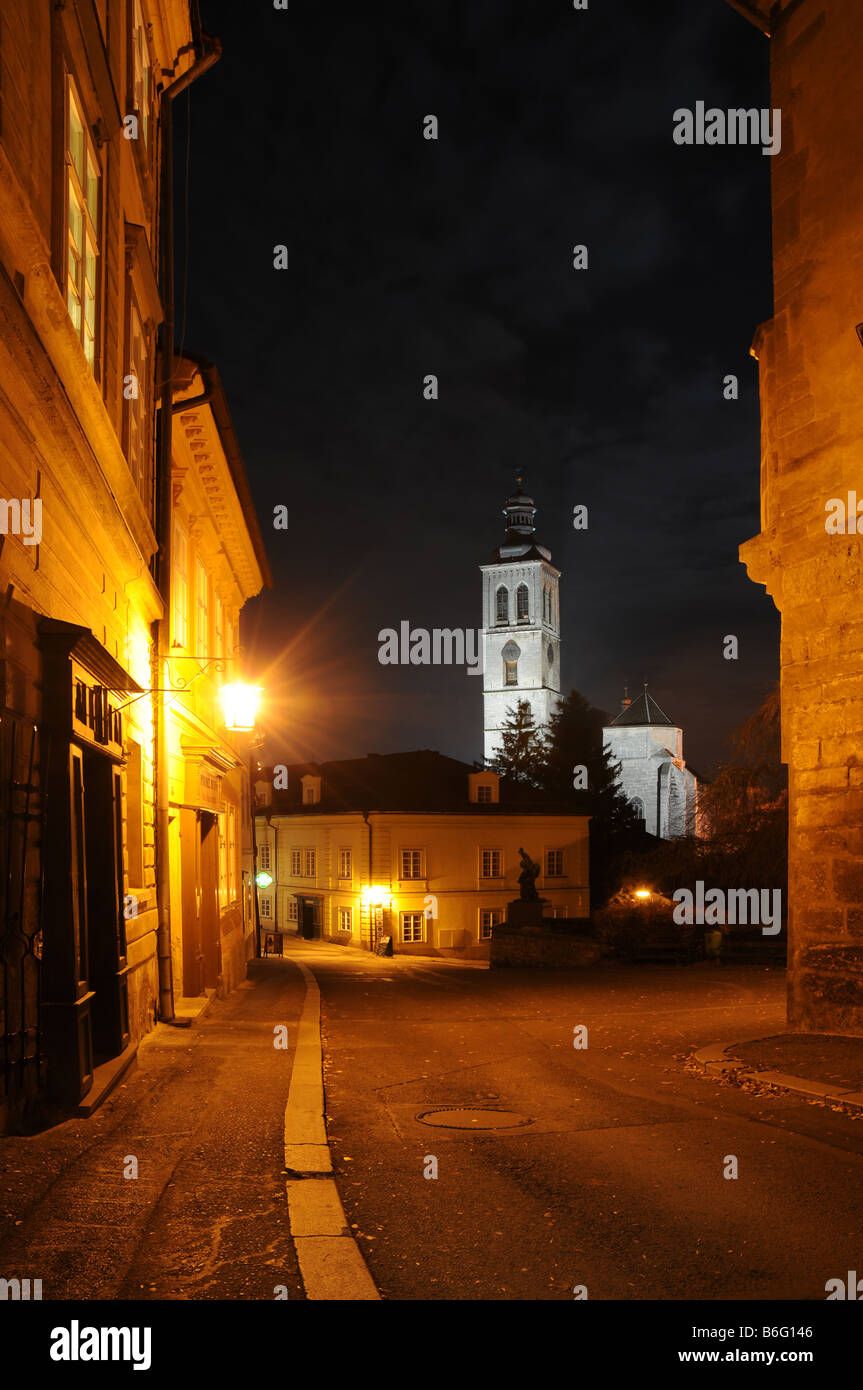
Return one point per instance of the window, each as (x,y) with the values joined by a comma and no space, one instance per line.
(266,856)
(521,604)
(491,863)
(310,796)
(181,586)
(554,863)
(510,672)
(346,917)
(413,926)
(202,615)
(638,807)
(483,792)
(489,918)
(266,906)
(134,814)
(136,403)
(296,863)
(502,605)
(223,861)
(412,863)
(345,864)
(293,910)
(309,863)
(83,189)
(218,626)
(142,95)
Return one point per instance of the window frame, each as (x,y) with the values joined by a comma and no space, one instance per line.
(491,850)
(346,857)
(416,916)
(553,859)
(499,913)
(73,190)
(296,861)
(411,877)
(180,587)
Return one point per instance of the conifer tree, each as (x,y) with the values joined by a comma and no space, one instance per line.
(522,751)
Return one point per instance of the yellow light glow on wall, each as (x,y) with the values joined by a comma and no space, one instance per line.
(240,705)
(642,892)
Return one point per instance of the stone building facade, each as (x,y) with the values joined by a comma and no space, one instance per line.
(653,774)
(521,625)
(808,553)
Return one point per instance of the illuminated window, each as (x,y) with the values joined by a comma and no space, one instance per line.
(202,614)
(293,910)
(483,792)
(296,863)
(491,861)
(265,856)
(554,863)
(223,862)
(510,672)
(345,864)
(489,918)
(181,586)
(521,604)
(218,626)
(142,93)
(136,403)
(346,917)
(83,180)
(502,605)
(412,863)
(413,926)
(309,863)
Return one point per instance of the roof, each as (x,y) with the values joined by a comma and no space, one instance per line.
(643,710)
(423,780)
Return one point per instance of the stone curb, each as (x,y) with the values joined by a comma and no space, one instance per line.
(331,1263)
(718,1060)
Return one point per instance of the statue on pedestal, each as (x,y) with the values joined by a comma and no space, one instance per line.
(530,871)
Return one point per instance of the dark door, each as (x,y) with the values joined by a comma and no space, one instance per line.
(308,918)
(209,913)
(190,900)
(106,927)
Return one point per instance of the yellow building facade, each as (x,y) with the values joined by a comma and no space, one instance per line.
(435,881)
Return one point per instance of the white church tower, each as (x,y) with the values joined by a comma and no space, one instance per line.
(521,624)
(653,773)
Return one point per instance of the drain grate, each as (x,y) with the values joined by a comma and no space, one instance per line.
(460,1117)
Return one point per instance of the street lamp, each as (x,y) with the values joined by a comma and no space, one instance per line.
(642,892)
(240,706)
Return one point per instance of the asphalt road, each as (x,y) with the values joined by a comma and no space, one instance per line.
(616,1182)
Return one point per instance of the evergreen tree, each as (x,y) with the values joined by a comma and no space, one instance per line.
(522,752)
(579,770)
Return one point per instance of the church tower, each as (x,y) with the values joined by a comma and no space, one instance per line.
(521,624)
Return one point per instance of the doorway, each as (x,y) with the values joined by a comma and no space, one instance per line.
(106,925)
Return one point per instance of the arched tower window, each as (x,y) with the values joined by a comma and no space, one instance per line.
(522,606)
(510,653)
(502,605)
(638,807)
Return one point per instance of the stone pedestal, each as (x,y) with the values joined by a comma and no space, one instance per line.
(522,912)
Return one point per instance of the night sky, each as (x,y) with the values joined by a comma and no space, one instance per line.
(454,257)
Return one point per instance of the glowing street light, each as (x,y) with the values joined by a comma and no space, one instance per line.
(263,879)
(240,705)
(375,896)
(642,892)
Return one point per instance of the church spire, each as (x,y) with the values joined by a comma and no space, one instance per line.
(519,511)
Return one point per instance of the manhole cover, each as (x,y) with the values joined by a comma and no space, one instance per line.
(458,1118)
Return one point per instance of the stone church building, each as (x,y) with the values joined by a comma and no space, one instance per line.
(521,663)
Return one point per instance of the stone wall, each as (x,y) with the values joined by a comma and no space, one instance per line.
(811,383)
(539,946)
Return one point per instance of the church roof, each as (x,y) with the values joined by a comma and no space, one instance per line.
(643,710)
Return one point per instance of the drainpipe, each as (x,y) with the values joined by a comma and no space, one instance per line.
(208,50)
(371,923)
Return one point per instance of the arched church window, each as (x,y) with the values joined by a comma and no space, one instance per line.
(511,652)
(638,807)
(503,604)
(522,608)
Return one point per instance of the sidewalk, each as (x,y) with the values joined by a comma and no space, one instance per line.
(823,1067)
(175,1187)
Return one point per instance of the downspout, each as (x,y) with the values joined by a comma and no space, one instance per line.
(208,51)
(371,922)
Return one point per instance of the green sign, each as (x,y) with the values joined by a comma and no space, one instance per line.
(263,880)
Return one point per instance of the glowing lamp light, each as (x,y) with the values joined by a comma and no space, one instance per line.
(374,896)
(263,879)
(240,706)
(642,892)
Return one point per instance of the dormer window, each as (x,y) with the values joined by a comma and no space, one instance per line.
(484,788)
(311,790)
